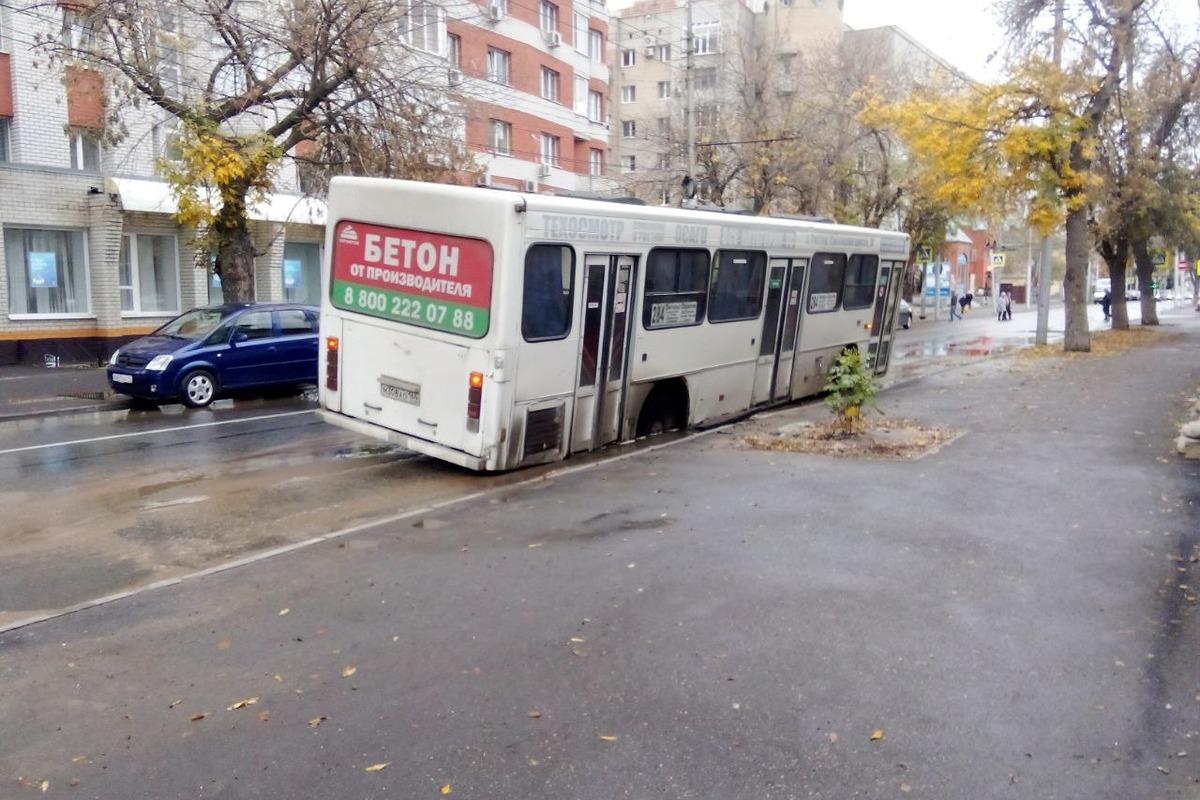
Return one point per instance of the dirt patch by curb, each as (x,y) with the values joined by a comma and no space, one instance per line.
(878,437)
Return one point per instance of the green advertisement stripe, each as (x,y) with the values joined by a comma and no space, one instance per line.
(413,309)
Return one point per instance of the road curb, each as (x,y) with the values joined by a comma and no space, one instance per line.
(114,405)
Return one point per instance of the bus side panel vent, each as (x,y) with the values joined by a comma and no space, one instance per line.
(543,430)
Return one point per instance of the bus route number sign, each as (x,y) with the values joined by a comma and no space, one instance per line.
(425,279)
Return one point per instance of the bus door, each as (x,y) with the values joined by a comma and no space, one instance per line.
(887,297)
(603,347)
(773,374)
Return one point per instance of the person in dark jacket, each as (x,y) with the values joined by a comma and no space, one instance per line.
(1106,305)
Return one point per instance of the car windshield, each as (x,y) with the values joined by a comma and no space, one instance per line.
(192,325)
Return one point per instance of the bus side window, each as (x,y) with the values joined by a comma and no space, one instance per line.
(859,287)
(737,286)
(548,292)
(676,288)
(826,273)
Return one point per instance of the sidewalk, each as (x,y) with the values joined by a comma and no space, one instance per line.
(27,391)
(1011,616)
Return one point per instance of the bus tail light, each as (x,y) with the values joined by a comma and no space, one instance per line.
(331,363)
(474,400)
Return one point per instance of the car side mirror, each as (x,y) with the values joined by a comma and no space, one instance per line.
(238,337)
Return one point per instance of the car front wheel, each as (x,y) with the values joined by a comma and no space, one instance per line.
(198,389)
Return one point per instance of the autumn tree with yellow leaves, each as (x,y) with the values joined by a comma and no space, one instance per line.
(342,86)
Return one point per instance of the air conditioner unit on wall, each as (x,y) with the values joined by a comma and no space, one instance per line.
(483,180)
(543,170)
(553,38)
(531,185)
(455,77)
(495,12)
(651,51)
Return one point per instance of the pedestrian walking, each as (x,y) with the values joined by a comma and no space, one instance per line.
(970,299)
(954,304)
(1106,305)
(1000,307)
(962,304)
(1008,305)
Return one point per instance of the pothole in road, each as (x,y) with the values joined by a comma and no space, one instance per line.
(374,450)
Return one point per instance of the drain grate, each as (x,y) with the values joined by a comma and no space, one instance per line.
(85,395)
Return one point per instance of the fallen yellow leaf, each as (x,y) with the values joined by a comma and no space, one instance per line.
(347,671)
(249,701)
(534,714)
(198,717)
(446,789)
(45,786)
(264,716)
(283,612)
(279,678)
(315,721)
(607,738)
(377,767)
(578,639)
(224,644)
(535,544)
(904,787)
(876,736)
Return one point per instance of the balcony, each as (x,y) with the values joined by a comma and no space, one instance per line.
(6,92)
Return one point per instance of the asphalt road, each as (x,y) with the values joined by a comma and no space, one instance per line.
(1012,615)
(101,503)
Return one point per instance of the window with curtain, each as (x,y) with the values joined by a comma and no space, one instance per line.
(47,271)
(302,272)
(149,273)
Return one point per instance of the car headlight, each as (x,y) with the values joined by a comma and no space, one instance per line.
(159,363)
(113,358)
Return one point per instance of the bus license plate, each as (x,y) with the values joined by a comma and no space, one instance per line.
(403,391)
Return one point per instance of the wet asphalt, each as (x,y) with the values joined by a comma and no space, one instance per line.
(1014,615)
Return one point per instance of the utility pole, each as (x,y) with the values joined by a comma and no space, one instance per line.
(690,111)
(1045,275)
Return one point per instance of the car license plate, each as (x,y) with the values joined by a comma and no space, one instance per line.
(119,377)
(403,391)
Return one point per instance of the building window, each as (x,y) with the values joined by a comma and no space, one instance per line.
(628,57)
(548,17)
(302,272)
(595,163)
(5,125)
(664,160)
(825,280)
(149,273)
(706,38)
(581,33)
(737,286)
(628,93)
(498,61)
(164,140)
(629,128)
(85,151)
(549,150)
(706,117)
(628,164)
(501,137)
(704,78)
(676,288)
(580,96)
(168,70)
(47,271)
(662,52)
(78,31)
(549,84)
(595,106)
(547,295)
(858,288)
(424,26)
(664,90)
(664,126)
(454,50)
(595,46)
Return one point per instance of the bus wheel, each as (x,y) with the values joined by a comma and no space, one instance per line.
(665,409)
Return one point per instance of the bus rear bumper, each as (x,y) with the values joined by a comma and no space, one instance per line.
(403,440)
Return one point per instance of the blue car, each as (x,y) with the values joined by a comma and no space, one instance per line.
(211,351)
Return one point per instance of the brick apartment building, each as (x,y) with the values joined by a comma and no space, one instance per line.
(90,252)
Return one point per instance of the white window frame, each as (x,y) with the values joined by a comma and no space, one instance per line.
(5,140)
(664,90)
(77,151)
(579,97)
(629,93)
(595,46)
(595,107)
(130,241)
(409,33)
(629,129)
(501,58)
(549,150)
(628,164)
(549,84)
(87,278)
(629,57)
(581,33)
(706,38)
(501,144)
(547,16)
(78,32)
(595,163)
(454,50)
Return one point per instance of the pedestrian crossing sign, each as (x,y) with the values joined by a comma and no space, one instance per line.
(999,260)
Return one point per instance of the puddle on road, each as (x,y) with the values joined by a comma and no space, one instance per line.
(375,449)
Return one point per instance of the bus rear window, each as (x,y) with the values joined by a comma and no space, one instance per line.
(425,279)
(548,293)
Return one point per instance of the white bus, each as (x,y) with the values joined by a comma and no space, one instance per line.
(497,330)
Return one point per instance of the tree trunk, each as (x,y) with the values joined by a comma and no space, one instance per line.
(1145,276)
(1077,338)
(1115,252)
(235,250)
